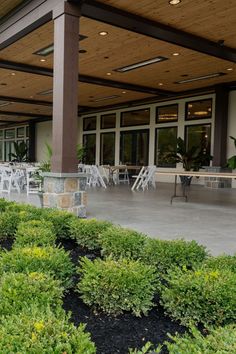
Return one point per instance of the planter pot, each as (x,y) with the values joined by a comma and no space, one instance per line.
(186,180)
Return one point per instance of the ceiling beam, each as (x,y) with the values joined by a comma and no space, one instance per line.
(138,24)
(25,101)
(37,70)
(26,115)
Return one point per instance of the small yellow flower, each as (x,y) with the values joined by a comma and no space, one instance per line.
(39,326)
(33,337)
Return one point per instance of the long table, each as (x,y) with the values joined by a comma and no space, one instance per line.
(192,174)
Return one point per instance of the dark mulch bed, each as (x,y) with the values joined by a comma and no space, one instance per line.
(6,244)
(115,335)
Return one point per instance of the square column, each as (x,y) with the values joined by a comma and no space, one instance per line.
(65,88)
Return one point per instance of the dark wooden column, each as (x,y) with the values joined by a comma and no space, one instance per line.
(32,142)
(65,88)
(220,129)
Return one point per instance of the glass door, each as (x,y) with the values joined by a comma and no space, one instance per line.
(134,147)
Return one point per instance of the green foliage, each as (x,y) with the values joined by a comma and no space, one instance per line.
(19,291)
(117,286)
(8,224)
(87,232)
(222,262)
(21,152)
(4,204)
(80,151)
(33,332)
(119,242)
(61,221)
(52,260)
(148,348)
(220,340)
(165,255)
(35,232)
(204,296)
(231,162)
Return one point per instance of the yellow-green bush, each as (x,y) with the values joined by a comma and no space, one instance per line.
(36,233)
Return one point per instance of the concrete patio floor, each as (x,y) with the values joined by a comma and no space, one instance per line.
(208,217)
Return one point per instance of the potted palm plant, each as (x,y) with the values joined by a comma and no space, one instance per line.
(231,162)
(20,154)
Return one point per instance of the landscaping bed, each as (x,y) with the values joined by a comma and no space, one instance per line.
(77,286)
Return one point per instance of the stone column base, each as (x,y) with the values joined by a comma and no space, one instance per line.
(65,191)
(218,182)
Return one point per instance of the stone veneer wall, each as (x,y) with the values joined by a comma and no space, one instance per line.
(218,182)
(66,192)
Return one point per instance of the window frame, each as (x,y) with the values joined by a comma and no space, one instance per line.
(136,125)
(168,105)
(156,145)
(197,118)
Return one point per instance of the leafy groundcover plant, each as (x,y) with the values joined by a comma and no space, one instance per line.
(148,348)
(219,340)
(52,260)
(222,262)
(119,242)
(87,232)
(165,255)
(117,286)
(203,296)
(35,332)
(8,225)
(19,291)
(35,232)
(61,221)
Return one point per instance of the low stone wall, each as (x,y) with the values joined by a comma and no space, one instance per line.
(66,191)
(218,182)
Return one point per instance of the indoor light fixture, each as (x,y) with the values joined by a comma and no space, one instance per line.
(13,74)
(123,91)
(103,33)
(106,98)
(175,54)
(160,84)
(50,48)
(230,69)
(174,2)
(140,64)
(45,93)
(109,74)
(42,60)
(205,77)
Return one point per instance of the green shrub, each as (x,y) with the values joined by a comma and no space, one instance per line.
(32,332)
(202,296)
(17,208)
(119,242)
(148,348)
(87,232)
(8,225)
(49,259)
(35,232)
(219,341)
(4,204)
(165,255)
(222,262)
(60,220)
(19,291)
(117,286)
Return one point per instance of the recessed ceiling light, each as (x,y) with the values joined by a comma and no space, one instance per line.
(205,77)
(13,74)
(230,69)
(140,64)
(160,84)
(50,48)
(31,96)
(174,2)
(123,91)
(175,54)
(109,74)
(42,60)
(106,98)
(45,93)
(103,33)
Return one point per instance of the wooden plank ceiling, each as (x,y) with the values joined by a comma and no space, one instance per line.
(8,5)
(102,55)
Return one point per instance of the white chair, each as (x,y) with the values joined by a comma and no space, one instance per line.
(6,179)
(121,175)
(104,172)
(18,179)
(145,178)
(33,181)
(94,178)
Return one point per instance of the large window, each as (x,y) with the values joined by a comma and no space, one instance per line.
(138,117)
(89,143)
(166,114)
(108,121)
(107,149)
(200,136)
(198,109)
(166,142)
(90,123)
(7,139)
(134,147)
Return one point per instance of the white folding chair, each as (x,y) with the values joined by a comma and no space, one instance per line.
(145,178)
(6,179)
(33,182)
(104,172)
(121,175)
